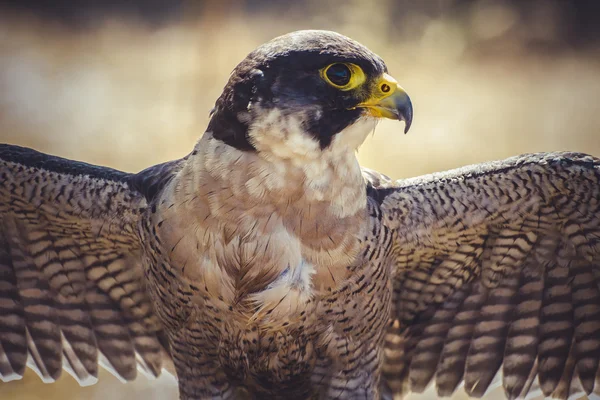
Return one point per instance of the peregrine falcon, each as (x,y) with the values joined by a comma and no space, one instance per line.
(268,264)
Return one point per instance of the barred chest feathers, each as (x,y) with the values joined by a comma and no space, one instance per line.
(263,235)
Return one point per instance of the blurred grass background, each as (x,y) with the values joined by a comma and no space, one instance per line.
(130,84)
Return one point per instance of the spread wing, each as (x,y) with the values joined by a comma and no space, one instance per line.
(497,277)
(71,293)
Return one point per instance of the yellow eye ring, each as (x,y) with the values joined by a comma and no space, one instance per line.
(343,76)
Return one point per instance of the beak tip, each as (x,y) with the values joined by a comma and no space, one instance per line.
(404,109)
(407,116)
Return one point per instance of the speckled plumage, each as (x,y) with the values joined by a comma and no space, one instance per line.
(497,269)
(268,264)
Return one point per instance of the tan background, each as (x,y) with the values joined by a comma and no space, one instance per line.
(487,80)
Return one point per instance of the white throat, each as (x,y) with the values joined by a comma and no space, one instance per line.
(293,157)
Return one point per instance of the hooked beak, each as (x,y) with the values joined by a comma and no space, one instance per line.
(389,100)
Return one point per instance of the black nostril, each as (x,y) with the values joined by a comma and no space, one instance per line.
(385,88)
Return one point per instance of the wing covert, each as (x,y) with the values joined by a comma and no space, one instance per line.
(497,277)
(71,289)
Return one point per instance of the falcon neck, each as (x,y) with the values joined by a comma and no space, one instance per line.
(321,201)
(288,171)
(312,188)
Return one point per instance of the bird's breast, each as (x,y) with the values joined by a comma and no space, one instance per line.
(258,263)
(255,288)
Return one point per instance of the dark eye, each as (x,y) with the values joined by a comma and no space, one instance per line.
(343,76)
(339,74)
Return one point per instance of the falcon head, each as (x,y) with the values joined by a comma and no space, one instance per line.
(307,91)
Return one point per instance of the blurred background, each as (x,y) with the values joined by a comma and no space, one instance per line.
(130,83)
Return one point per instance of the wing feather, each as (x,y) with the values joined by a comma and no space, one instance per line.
(522,339)
(13,337)
(496,277)
(71,289)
